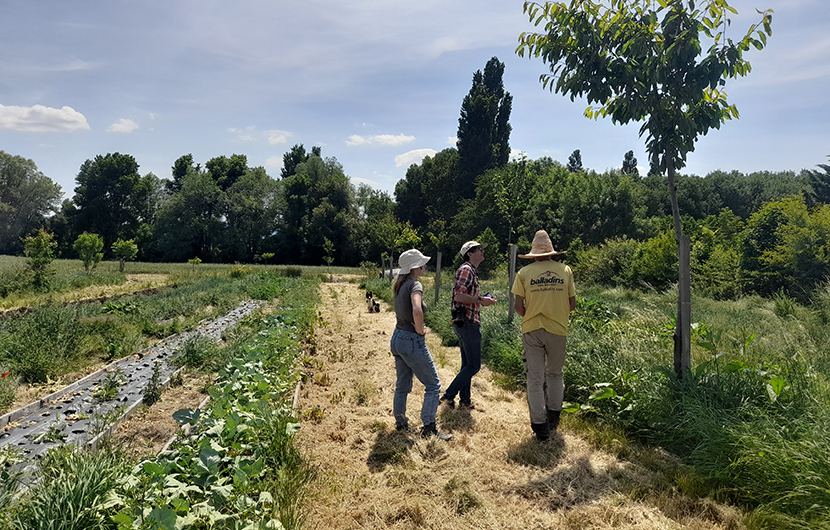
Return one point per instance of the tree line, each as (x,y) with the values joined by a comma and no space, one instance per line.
(761,232)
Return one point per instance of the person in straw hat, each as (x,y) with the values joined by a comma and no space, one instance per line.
(545,296)
(466,308)
(409,347)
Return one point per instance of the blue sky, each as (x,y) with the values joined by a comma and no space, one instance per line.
(377,84)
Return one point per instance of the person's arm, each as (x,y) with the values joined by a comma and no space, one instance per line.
(519,306)
(468,299)
(418,313)
(572,302)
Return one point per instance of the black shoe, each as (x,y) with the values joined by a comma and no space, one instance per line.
(431,430)
(541,431)
(450,402)
(467,406)
(553,419)
(404,427)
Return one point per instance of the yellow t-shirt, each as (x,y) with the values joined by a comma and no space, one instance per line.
(546,287)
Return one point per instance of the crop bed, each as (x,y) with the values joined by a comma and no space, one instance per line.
(78,414)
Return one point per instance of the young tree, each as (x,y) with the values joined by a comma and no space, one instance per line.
(483,128)
(89,247)
(124,251)
(643,61)
(40,249)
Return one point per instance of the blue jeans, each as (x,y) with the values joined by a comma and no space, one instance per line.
(469,338)
(412,357)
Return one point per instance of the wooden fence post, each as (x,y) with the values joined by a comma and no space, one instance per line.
(437,275)
(683,346)
(514,250)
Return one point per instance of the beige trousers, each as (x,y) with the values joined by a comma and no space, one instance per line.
(544,357)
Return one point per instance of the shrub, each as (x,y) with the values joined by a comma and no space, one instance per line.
(656,262)
(124,251)
(40,249)
(89,247)
(608,264)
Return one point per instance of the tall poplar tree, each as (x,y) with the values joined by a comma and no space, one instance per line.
(483,128)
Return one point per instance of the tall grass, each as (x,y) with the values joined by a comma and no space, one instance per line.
(70,494)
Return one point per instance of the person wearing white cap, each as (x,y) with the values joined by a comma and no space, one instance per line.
(465,308)
(545,297)
(409,346)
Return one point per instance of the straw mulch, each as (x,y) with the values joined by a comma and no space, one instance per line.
(492,475)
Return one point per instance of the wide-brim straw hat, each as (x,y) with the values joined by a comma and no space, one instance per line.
(541,247)
(411,259)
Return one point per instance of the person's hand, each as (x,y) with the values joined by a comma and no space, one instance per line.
(488,300)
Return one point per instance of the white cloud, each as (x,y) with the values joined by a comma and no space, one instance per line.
(358,180)
(274,162)
(380,139)
(123,126)
(243,135)
(278,137)
(413,157)
(452,141)
(42,119)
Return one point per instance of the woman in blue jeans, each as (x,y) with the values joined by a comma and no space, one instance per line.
(409,347)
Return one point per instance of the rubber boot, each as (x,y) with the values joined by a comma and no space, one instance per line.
(430,430)
(541,431)
(553,419)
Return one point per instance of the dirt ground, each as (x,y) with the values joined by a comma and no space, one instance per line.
(492,474)
(147,432)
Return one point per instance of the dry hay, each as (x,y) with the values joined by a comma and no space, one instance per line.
(492,475)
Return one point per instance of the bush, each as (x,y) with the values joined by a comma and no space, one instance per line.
(608,264)
(89,247)
(40,249)
(655,264)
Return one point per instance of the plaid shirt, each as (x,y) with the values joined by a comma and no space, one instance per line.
(466,282)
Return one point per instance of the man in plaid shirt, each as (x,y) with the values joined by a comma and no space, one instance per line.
(466,307)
